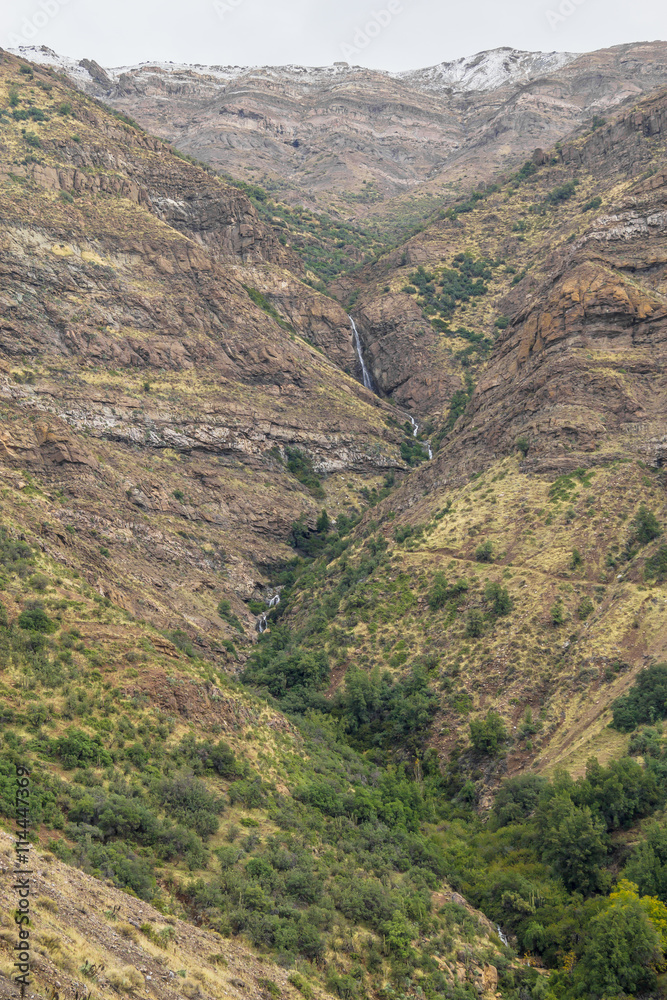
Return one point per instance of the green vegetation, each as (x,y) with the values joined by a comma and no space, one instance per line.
(328,245)
(301,467)
(439,293)
(645,702)
(263,303)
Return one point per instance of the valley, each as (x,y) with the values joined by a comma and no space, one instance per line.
(435,767)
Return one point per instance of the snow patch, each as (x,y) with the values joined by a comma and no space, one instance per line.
(482,72)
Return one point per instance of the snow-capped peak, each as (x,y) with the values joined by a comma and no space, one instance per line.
(488,70)
(482,72)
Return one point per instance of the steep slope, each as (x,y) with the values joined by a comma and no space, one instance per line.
(348,138)
(180,846)
(516,560)
(150,392)
(427,318)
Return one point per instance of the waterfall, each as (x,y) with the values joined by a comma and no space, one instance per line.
(501,935)
(415,432)
(262,623)
(365,374)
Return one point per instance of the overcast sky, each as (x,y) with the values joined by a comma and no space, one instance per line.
(387,34)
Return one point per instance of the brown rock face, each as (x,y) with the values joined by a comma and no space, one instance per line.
(319,132)
(149,386)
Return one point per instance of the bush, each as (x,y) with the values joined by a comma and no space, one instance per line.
(35,619)
(474,623)
(438,595)
(585,608)
(656,565)
(189,801)
(557,613)
(645,702)
(523,445)
(484,552)
(517,798)
(562,193)
(76,749)
(499,598)
(646,526)
(488,735)
(301,467)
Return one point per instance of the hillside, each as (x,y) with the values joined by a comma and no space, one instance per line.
(317,701)
(351,140)
(157,408)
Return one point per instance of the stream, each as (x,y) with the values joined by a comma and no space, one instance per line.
(272,602)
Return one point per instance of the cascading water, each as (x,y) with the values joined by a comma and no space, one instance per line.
(415,432)
(502,936)
(262,624)
(365,374)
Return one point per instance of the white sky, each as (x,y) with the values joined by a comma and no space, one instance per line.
(314,32)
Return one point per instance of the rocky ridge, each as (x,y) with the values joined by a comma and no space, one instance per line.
(316,134)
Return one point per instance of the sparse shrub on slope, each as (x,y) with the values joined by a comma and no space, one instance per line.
(645,702)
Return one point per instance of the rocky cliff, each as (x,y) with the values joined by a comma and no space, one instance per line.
(151,391)
(351,138)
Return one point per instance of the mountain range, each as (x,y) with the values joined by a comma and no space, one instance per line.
(332,514)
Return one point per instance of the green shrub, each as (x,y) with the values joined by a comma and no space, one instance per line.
(189,801)
(499,599)
(517,798)
(488,735)
(557,613)
(76,749)
(645,702)
(484,552)
(301,467)
(35,619)
(585,608)
(656,565)
(474,623)
(646,526)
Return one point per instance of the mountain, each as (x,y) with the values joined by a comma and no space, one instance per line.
(133,318)
(328,689)
(347,139)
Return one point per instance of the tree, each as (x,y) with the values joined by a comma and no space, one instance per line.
(572,840)
(323,522)
(645,702)
(488,735)
(646,526)
(622,950)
